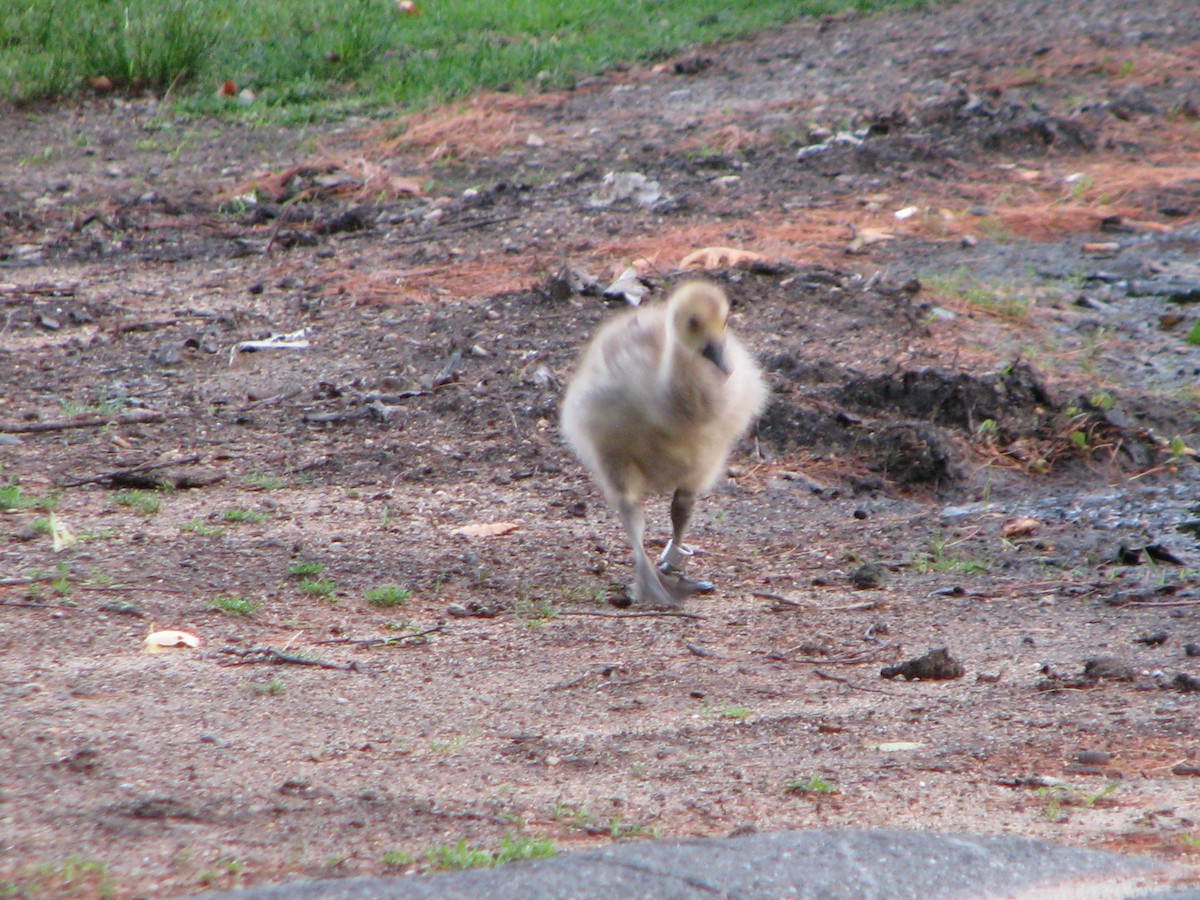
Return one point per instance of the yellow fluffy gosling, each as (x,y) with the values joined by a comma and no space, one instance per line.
(660,396)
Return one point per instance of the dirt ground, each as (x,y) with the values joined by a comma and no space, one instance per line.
(966,256)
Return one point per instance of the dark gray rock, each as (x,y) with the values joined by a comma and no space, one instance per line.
(852,864)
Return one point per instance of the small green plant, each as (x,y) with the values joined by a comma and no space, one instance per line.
(573,817)
(1193,336)
(265,482)
(317,587)
(42,525)
(987,431)
(1178,448)
(225,868)
(61,582)
(196,526)
(11,497)
(813,784)
(1189,840)
(244,515)
(448,747)
(305,569)
(234,606)
(74,877)
(145,503)
(619,830)
(388,595)
(1058,796)
(733,711)
(461,855)
(939,558)
(533,611)
(397,859)
(273,687)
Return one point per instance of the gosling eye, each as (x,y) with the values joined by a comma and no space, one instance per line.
(693,323)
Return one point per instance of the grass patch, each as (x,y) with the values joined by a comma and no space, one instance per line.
(146,503)
(73,877)
(387,596)
(234,606)
(12,497)
(813,784)
(1193,336)
(196,526)
(461,855)
(1002,299)
(264,482)
(272,688)
(316,58)
(243,515)
(305,569)
(317,587)
(940,558)
(397,859)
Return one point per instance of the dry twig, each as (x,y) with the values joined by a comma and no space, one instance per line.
(255,655)
(383,641)
(679,613)
(137,417)
(850,684)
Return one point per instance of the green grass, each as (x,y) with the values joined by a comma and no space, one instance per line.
(813,784)
(244,515)
(389,595)
(11,497)
(461,855)
(264,482)
(317,57)
(305,569)
(196,526)
(317,587)
(147,503)
(941,558)
(234,606)
(1007,299)
(73,877)
(1193,336)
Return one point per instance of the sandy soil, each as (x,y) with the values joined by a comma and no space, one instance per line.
(979,438)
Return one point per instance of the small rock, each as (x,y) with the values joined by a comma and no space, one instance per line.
(1152,640)
(1107,667)
(868,575)
(1093,757)
(936,665)
(1189,684)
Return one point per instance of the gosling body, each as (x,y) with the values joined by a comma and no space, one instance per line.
(659,398)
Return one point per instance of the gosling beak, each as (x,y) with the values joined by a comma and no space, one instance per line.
(714,352)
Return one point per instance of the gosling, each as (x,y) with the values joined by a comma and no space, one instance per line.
(660,396)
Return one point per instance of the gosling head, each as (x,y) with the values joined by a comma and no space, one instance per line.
(698,313)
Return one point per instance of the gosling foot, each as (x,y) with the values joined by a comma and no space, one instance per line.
(680,586)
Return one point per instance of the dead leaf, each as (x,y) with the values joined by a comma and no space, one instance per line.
(719,258)
(158,641)
(227,89)
(62,536)
(627,287)
(1018,527)
(865,237)
(101,84)
(487,529)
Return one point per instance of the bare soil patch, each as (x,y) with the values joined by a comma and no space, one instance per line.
(979,438)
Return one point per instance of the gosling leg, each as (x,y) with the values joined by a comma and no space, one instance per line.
(648,587)
(675,554)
